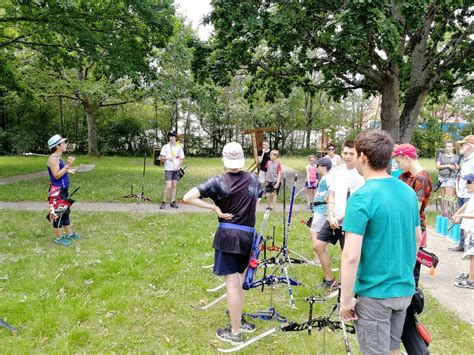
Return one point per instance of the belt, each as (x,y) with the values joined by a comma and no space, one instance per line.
(238,227)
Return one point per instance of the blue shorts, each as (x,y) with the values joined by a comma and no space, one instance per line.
(229,263)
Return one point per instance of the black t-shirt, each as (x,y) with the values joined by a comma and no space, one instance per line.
(234,193)
(265,159)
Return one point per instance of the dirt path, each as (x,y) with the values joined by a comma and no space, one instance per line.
(12,179)
(441,285)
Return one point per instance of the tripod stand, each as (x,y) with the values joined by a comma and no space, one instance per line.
(140,197)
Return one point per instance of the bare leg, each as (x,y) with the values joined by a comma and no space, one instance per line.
(321,250)
(395,352)
(67,230)
(314,235)
(57,232)
(167,190)
(471,268)
(173,190)
(235,300)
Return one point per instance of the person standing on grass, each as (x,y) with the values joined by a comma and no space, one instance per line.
(447,166)
(466,215)
(342,182)
(58,172)
(319,205)
(335,159)
(172,154)
(467,165)
(311,179)
(382,239)
(272,179)
(263,159)
(415,176)
(235,194)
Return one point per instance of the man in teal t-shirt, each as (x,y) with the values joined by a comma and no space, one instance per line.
(382,226)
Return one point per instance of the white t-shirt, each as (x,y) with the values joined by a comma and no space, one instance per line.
(467,167)
(343,181)
(468,223)
(175,152)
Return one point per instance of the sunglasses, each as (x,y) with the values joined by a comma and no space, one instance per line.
(331,149)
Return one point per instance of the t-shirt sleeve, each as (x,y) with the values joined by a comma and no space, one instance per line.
(163,151)
(181,154)
(416,213)
(357,217)
(330,182)
(209,188)
(279,168)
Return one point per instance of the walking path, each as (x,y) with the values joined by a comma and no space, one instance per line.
(440,285)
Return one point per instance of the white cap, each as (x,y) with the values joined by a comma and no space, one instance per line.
(233,156)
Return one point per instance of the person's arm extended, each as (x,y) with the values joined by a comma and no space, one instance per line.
(307,172)
(192,198)
(349,263)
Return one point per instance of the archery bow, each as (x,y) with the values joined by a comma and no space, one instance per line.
(312,323)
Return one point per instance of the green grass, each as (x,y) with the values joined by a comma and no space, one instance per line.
(18,165)
(126,286)
(110,180)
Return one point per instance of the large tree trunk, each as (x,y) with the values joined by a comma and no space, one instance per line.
(91,118)
(409,116)
(390,113)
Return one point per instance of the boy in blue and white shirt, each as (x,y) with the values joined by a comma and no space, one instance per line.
(319,205)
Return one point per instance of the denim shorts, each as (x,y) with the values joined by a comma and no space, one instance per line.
(171,175)
(229,263)
(379,326)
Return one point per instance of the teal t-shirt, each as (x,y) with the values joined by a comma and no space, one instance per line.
(320,196)
(385,212)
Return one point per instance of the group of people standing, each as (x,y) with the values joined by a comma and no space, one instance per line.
(378,221)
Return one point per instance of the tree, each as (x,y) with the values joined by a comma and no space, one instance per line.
(113,38)
(403,50)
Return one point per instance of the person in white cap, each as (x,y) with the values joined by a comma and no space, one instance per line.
(235,195)
(59,177)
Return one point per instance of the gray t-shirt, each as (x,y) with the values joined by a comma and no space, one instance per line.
(447,173)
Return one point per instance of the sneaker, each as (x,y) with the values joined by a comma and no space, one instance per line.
(465,284)
(332,284)
(247,327)
(462,276)
(163,205)
(458,248)
(72,236)
(226,335)
(62,241)
(173,204)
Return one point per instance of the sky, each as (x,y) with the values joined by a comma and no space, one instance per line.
(194,11)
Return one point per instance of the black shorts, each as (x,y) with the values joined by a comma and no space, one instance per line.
(270,188)
(329,235)
(229,263)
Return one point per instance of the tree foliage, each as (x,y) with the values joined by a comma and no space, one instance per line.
(402,50)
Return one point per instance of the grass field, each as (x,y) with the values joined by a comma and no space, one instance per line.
(127,286)
(112,177)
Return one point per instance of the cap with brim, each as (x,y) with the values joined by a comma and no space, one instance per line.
(405,150)
(55,140)
(324,162)
(233,156)
(469,177)
(468,139)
